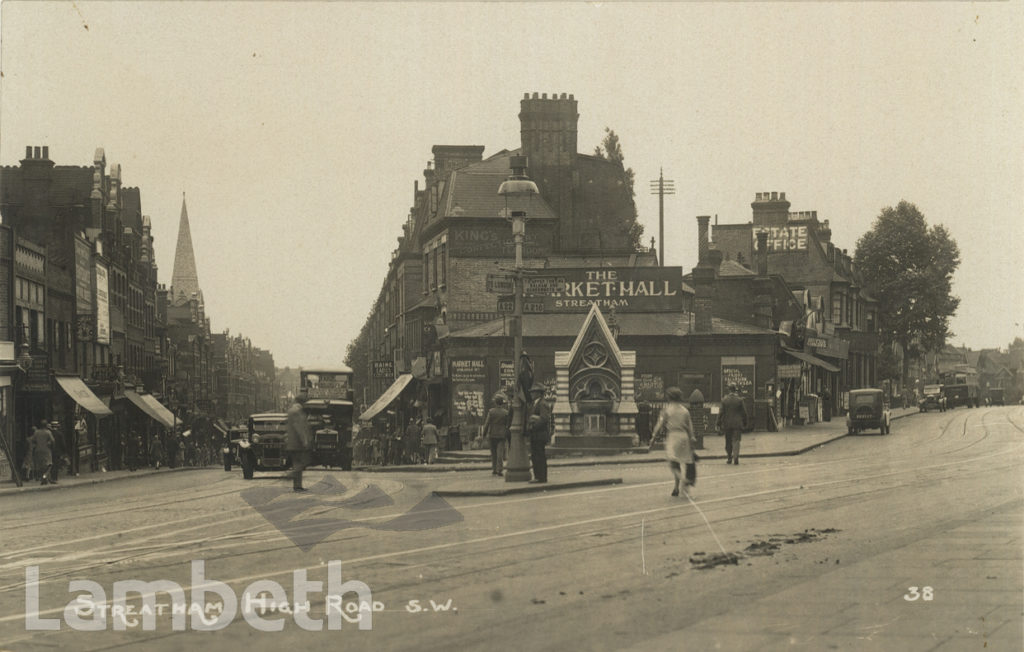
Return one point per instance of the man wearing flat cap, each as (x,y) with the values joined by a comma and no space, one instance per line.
(732,421)
(537,429)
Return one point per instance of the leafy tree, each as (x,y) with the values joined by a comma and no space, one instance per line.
(357,356)
(908,266)
(610,149)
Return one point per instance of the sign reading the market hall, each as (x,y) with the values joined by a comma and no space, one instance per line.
(782,239)
(468,371)
(627,289)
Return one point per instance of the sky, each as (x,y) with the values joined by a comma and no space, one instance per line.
(297,130)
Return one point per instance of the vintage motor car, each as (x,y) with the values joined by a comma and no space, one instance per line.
(868,410)
(996,396)
(932,399)
(260,446)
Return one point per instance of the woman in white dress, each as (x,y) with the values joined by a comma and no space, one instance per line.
(679,439)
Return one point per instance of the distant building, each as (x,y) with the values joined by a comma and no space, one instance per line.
(840,317)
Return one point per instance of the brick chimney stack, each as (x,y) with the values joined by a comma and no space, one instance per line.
(704,290)
(762,253)
(770,209)
(703,242)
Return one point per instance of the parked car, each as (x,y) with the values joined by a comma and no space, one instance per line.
(868,410)
(932,399)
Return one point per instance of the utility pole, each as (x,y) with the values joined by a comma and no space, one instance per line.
(661,187)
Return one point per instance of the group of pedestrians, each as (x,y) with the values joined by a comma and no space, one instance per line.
(680,440)
(497,431)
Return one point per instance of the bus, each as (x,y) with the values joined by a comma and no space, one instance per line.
(329,407)
(960,387)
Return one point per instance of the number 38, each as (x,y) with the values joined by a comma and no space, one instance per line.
(913,594)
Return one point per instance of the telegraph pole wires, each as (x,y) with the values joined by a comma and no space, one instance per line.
(661,187)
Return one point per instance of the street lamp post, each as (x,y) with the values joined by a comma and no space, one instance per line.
(517,466)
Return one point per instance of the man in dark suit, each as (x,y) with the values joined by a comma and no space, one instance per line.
(538,430)
(732,421)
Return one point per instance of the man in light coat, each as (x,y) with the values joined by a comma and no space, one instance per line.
(298,443)
(732,421)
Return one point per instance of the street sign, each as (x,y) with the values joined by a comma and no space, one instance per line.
(500,284)
(540,286)
(507,305)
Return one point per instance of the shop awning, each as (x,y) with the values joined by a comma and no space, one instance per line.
(810,359)
(167,417)
(220,426)
(76,389)
(386,398)
(150,411)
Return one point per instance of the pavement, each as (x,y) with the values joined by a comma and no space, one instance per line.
(794,440)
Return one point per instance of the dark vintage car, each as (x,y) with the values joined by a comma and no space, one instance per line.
(996,396)
(260,446)
(868,410)
(932,399)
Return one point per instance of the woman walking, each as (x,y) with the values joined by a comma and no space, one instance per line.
(679,439)
(41,445)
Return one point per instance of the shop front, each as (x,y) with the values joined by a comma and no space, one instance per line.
(82,422)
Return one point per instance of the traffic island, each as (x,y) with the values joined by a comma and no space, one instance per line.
(505,490)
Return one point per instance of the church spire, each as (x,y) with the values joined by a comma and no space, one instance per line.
(184,279)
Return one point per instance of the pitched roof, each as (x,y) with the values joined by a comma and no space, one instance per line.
(630,323)
(472,191)
(732,268)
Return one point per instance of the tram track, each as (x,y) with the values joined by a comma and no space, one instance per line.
(268,535)
(452,562)
(264,534)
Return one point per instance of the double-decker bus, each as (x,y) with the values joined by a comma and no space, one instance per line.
(329,406)
(960,386)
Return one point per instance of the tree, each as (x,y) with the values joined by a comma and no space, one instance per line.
(357,356)
(610,149)
(908,267)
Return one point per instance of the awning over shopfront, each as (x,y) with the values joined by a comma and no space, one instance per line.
(810,359)
(220,426)
(76,389)
(150,411)
(167,417)
(387,397)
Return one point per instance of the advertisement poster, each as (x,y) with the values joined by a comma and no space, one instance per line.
(102,305)
(739,371)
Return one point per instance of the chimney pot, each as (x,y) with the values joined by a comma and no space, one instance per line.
(38,153)
(535,95)
(46,152)
(563,96)
(543,96)
(782,196)
(775,196)
(570,96)
(28,151)
(526,96)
